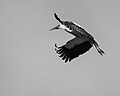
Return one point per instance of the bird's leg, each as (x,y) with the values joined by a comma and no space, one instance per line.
(98,49)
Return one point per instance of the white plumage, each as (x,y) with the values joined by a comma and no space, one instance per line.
(65,28)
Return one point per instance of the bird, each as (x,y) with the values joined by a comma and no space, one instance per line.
(80,44)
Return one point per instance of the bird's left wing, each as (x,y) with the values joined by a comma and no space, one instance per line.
(73,48)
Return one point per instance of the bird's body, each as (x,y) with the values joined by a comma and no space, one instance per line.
(82,42)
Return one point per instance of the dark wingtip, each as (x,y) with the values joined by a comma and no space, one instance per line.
(55,45)
(56,17)
(55,14)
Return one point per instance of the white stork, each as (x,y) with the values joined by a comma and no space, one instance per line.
(80,44)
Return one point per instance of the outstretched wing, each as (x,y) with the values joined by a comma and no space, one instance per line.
(73,48)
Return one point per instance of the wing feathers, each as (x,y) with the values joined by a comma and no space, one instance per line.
(69,54)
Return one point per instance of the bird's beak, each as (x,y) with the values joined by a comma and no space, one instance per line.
(57,27)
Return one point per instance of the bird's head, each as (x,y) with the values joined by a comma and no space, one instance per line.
(57,27)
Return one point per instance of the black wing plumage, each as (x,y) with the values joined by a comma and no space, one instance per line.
(73,49)
(58,18)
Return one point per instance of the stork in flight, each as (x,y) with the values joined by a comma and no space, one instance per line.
(80,44)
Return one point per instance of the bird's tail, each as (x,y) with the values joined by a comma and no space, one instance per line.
(98,48)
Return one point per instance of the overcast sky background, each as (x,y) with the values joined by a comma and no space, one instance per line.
(29,65)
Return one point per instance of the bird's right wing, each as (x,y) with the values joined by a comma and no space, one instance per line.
(73,48)
(73,26)
(81,30)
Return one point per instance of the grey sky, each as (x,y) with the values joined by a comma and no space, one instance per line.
(29,65)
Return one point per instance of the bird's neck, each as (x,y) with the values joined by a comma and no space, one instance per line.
(65,28)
